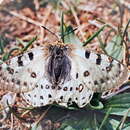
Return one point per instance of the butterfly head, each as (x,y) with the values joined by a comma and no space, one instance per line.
(58,50)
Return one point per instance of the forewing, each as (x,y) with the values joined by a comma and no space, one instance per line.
(21,73)
(98,71)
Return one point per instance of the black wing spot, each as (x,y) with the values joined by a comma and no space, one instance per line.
(10,70)
(29,95)
(81,87)
(95,82)
(84,103)
(13,80)
(102,80)
(87,54)
(77,75)
(47,86)
(4,78)
(61,97)
(86,73)
(28,100)
(41,104)
(89,82)
(70,99)
(20,62)
(71,88)
(59,87)
(30,54)
(98,60)
(36,86)
(65,88)
(7,80)
(53,86)
(83,98)
(119,65)
(77,88)
(33,75)
(108,68)
(107,78)
(41,86)
(103,69)
(119,72)
(18,82)
(41,97)
(25,83)
(49,95)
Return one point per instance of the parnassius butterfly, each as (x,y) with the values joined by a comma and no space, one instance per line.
(61,73)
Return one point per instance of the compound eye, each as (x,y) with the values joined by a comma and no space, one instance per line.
(65,48)
(51,48)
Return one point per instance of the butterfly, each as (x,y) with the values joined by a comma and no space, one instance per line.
(61,73)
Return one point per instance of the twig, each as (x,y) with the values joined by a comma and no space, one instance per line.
(43,115)
(121,11)
(65,5)
(108,24)
(24,18)
(108,35)
(102,45)
(44,22)
(125,43)
(12,122)
(121,124)
(78,23)
(28,20)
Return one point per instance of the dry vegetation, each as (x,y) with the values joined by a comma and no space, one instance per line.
(21,19)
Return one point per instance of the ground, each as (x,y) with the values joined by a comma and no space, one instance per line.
(20,21)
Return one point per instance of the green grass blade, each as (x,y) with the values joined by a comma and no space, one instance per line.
(105,118)
(62,27)
(7,55)
(29,44)
(94,35)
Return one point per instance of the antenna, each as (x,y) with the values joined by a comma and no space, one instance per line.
(50,32)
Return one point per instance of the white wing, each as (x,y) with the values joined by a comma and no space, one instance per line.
(74,90)
(21,73)
(98,71)
(43,94)
(90,73)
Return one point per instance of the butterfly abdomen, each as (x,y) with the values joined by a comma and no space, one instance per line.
(59,65)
